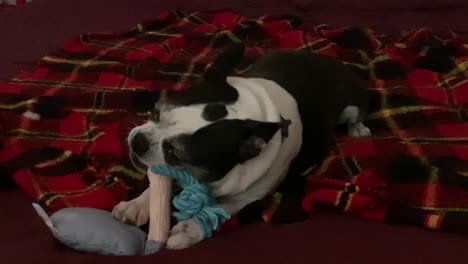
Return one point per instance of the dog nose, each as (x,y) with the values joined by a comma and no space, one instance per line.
(139,144)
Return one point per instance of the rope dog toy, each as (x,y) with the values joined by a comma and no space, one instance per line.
(193,202)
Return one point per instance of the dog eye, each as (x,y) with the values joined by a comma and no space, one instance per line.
(170,154)
(154,115)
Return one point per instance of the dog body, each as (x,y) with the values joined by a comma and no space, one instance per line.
(244,135)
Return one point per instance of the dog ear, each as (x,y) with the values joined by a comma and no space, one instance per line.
(231,140)
(225,63)
(257,135)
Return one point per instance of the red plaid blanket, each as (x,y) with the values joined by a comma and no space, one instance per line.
(90,93)
(414,168)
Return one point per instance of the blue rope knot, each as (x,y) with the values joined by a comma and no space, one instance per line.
(194,201)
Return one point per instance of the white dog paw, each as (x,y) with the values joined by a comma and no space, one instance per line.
(185,234)
(359,130)
(133,212)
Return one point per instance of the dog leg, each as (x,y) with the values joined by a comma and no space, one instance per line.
(351,116)
(358,130)
(135,211)
(184,234)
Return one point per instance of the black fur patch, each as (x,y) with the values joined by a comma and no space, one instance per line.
(285,123)
(213,112)
(237,136)
(220,146)
(322,88)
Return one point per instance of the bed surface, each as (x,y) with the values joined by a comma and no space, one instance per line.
(31,31)
(322,239)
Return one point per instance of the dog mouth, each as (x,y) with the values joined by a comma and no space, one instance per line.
(140,166)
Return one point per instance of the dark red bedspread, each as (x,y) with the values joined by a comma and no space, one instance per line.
(356,241)
(322,239)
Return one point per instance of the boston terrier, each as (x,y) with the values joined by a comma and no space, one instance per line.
(243,136)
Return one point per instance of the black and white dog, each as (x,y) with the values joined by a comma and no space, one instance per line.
(244,135)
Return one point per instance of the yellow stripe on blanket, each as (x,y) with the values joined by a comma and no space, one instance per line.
(433,221)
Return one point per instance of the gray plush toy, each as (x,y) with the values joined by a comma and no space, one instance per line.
(94,230)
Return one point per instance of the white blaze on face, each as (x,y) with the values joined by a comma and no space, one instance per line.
(182,120)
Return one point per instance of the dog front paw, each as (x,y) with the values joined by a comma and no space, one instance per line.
(134,212)
(359,130)
(185,234)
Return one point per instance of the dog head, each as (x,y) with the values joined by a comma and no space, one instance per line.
(196,129)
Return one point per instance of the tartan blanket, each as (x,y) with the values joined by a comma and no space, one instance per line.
(64,123)
(414,168)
